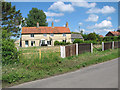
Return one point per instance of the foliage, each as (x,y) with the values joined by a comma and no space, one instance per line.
(111,38)
(9,51)
(78,41)
(11,19)
(75,33)
(35,15)
(61,43)
(92,36)
(29,70)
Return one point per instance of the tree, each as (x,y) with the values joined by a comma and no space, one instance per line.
(11,19)
(35,15)
(92,36)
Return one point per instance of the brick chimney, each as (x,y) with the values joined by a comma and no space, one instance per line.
(66,24)
(52,24)
(37,24)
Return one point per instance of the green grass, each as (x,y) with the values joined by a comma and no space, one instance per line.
(31,67)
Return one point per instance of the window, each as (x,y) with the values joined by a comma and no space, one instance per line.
(44,35)
(52,34)
(26,43)
(32,35)
(64,40)
(32,43)
(64,34)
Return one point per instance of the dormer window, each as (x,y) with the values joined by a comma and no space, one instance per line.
(32,35)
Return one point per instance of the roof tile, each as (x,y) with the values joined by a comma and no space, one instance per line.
(26,30)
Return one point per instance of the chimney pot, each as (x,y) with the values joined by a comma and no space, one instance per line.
(66,24)
(52,24)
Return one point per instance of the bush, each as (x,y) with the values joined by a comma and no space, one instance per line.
(9,52)
(78,41)
(56,43)
(61,43)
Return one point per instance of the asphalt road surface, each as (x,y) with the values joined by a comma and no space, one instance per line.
(103,75)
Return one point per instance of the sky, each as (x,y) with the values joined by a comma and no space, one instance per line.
(98,17)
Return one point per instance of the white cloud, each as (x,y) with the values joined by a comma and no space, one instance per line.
(83,3)
(109,18)
(51,14)
(92,18)
(52,19)
(57,20)
(80,23)
(60,6)
(103,25)
(104,10)
(102,30)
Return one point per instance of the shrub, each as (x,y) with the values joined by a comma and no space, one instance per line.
(78,41)
(9,51)
(56,43)
(61,43)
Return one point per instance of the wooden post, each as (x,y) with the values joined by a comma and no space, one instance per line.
(113,45)
(102,46)
(76,49)
(91,48)
(62,50)
(39,53)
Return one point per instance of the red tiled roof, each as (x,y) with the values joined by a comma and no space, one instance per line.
(26,30)
(115,33)
(101,35)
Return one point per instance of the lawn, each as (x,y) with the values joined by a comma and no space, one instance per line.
(31,67)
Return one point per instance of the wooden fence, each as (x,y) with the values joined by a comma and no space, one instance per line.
(75,49)
(110,45)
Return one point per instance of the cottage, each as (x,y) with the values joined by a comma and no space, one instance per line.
(113,33)
(44,36)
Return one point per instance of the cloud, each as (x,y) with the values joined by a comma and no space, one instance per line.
(57,20)
(102,30)
(80,23)
(60,6)
(92,18)
(109,18)
(103,25)
(52,19)
(104,10)
(51,14)
(84,4)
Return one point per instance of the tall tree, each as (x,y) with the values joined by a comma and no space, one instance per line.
(11,19)
(35,15)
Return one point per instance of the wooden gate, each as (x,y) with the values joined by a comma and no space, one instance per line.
(70,50)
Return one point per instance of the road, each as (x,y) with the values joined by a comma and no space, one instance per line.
(103,75)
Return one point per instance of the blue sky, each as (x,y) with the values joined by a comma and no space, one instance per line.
(99,17)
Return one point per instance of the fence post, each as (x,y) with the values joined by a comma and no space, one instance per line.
(113,45)
(76,49)
(91,47)
(102,46)
(39,54)
(62,49)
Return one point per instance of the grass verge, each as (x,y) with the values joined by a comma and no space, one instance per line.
(27,70)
